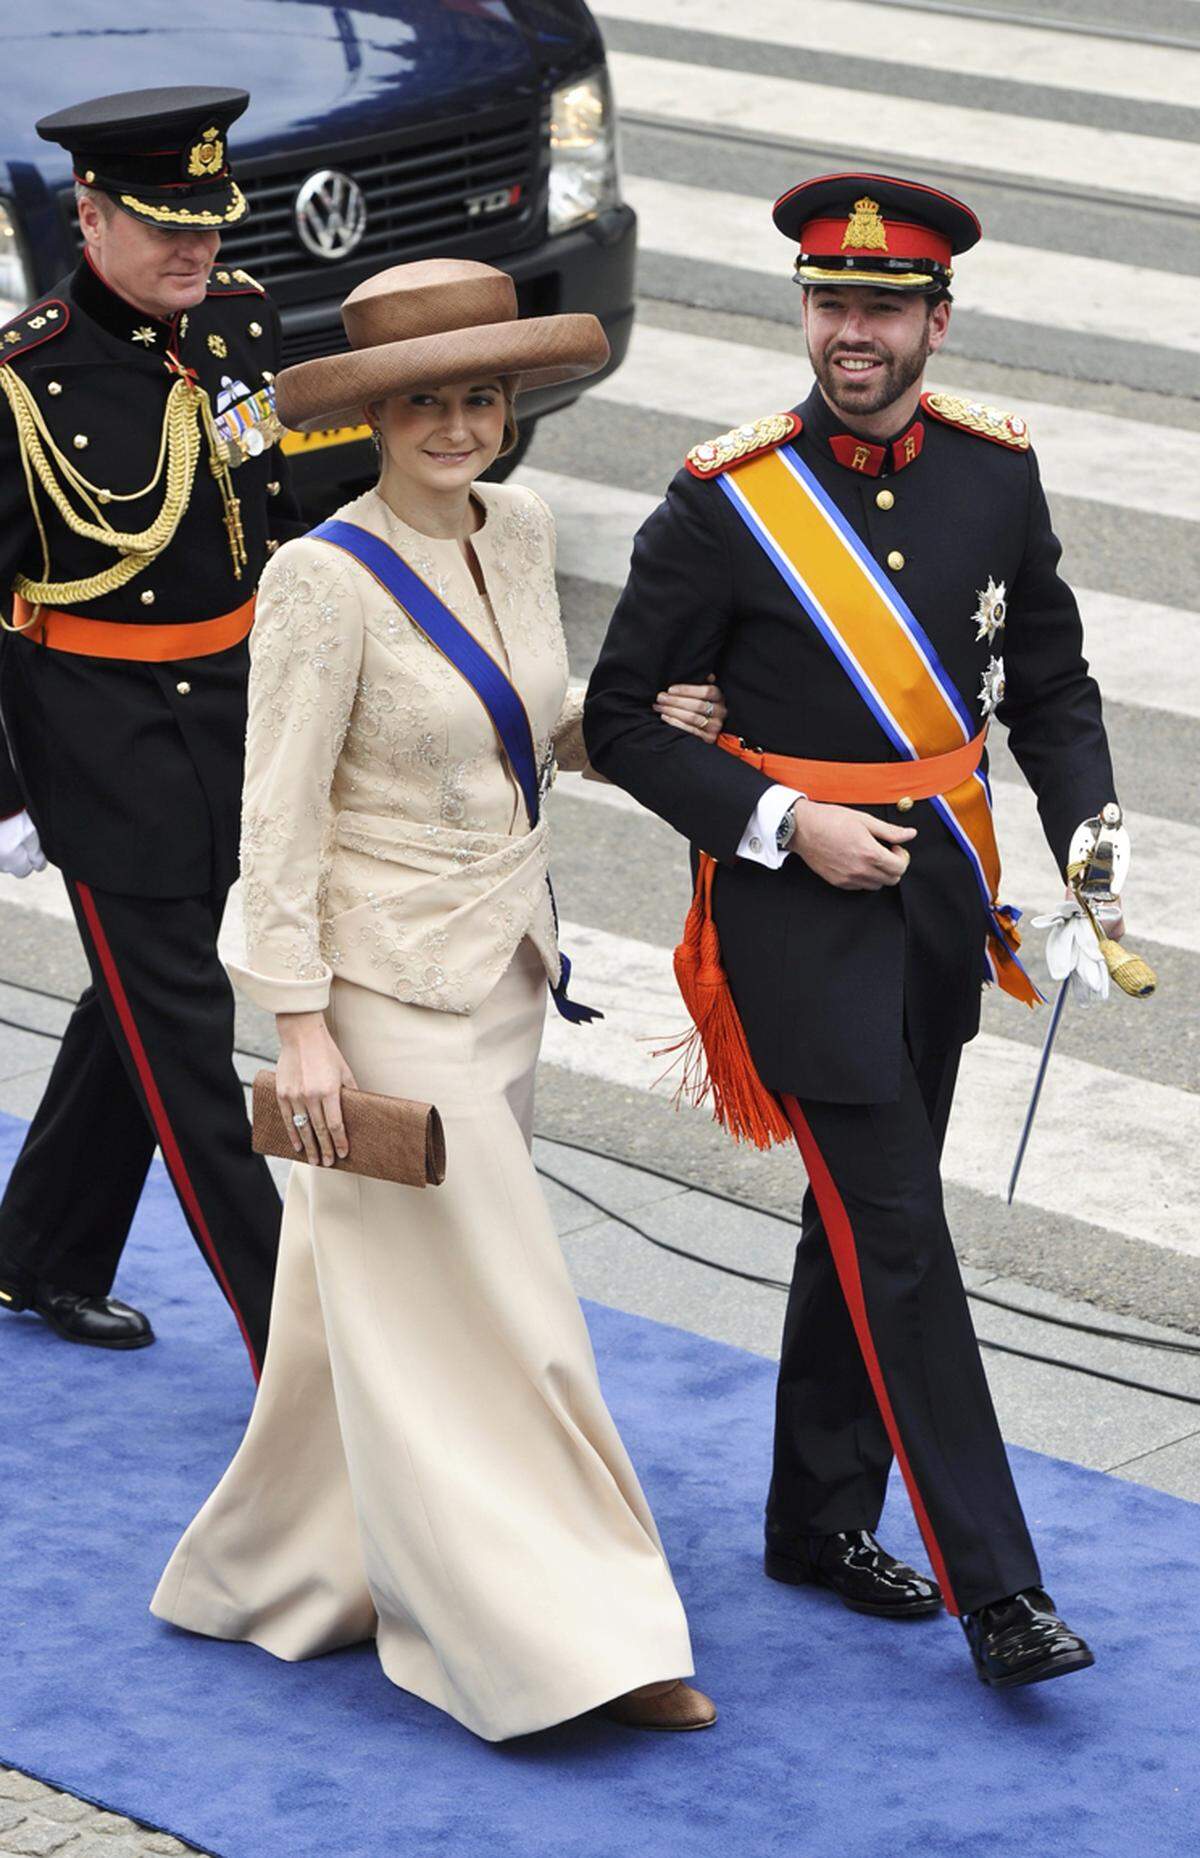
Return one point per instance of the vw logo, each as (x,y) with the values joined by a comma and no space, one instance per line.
(331,214)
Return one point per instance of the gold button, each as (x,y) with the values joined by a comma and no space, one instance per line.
(148,596)
(274,488)
(884,499)
(905,805)
(80,441)
(53,387)
(256,328)
(184,688)
(268,374)
(89,177)
(895,559)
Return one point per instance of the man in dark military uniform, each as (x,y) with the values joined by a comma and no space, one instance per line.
(873,574)
(140,494)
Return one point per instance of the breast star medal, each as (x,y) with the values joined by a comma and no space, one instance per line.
(991,690)
(992,610)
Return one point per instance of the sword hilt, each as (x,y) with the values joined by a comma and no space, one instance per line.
(1133,975)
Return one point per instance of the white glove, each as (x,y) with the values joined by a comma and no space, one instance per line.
(1072,949)
(20,848)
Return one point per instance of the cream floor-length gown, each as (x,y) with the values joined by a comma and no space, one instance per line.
(429,1461)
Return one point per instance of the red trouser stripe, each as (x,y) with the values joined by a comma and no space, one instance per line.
(172,1155)
(840,1234)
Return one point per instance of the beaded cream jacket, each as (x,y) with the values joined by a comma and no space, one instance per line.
(384,838)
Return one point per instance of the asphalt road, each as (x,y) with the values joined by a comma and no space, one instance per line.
(1074,137)
(1086,324)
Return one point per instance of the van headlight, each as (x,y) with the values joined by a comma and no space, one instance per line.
(15,286)
(583,151)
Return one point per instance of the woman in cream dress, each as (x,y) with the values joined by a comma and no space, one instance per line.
(429,1462)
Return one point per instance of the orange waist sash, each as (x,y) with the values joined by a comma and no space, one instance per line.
(114,638)
(864,783)
(717,1063)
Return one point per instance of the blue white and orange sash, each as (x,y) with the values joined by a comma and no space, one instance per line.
(498,696)
(888,657)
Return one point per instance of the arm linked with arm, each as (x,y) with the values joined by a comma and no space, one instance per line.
(670,625)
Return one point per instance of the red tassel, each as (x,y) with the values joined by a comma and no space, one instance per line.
(716,1057)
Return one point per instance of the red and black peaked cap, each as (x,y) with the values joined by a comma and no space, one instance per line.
(160,154)
(875,229)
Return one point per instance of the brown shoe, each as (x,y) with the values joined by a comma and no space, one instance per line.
(673,1705)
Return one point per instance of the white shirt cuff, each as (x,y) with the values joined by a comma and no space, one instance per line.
(758,840)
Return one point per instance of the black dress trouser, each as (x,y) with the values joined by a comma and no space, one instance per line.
(879,1354)
(146,1062)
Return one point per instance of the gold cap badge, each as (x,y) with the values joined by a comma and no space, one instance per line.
(207,156)
(865,230)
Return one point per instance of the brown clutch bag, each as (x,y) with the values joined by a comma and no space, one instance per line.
(391,1139)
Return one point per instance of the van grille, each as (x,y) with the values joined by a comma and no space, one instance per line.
(418,193)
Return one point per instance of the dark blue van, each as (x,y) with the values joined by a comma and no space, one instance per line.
(377,132)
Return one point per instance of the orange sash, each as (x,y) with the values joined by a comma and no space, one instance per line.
(882,648)
(114,638)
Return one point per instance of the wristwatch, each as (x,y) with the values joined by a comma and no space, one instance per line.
(785,830)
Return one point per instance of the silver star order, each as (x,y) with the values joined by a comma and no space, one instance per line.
(991,690)
(992,610)
(145,334)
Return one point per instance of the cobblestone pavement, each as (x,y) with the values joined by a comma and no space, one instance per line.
(35,1820)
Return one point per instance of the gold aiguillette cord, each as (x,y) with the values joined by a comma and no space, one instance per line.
(1133,975)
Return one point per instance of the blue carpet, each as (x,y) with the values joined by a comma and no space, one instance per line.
(840,1736)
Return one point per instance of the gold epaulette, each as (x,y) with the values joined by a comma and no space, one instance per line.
(986,422)
(33,326)
(225,283)
(761,435)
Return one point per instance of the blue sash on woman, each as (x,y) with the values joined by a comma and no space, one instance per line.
(501,701)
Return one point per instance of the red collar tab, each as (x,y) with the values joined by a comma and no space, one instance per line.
(908,445)
(868,459)
(857,454)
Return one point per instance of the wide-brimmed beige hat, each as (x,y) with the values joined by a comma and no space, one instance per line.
(429,324)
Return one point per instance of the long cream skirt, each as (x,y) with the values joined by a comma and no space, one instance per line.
(430,1461)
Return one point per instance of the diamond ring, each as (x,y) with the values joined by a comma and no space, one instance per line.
(708,710)
(299,1120)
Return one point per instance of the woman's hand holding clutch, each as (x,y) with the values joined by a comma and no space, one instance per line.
(309,1080)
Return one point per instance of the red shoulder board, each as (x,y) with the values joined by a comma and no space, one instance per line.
(33,326)
(225,283)
(986,422)
(761,435)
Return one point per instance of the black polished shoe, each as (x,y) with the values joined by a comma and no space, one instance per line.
(861,1573)
(100,1322)
(1022,1640)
